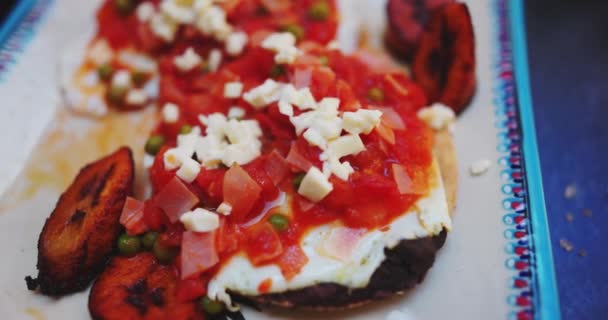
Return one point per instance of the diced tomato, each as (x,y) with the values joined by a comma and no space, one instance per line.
(302,77)
(322,79)
(172,236)
(276,167)
(190,289)
(240,191)
(175,199)
(147,40)
(263,243)
(198,253)
(227,237)
(154,217)
(292,261)
(265,286)
(159,177)
(132,217)
(112,26)
(341,196)
(257,171)
(211,181)
(298,161)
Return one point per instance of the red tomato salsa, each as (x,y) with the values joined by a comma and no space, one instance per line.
(400,146)
(259,17)
(268,217)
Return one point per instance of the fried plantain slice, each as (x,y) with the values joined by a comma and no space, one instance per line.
(141,288)
(444,64)
(407,19)
(138,288)
(79,236)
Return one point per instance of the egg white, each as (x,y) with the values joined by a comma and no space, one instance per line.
(428,217)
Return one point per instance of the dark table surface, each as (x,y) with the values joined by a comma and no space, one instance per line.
(568,54)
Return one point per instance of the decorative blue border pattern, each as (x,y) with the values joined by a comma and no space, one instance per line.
(534,293)
(18,30)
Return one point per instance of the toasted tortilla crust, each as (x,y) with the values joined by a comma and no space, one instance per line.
(405,265)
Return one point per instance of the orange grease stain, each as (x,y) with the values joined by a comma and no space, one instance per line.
(35,313)
(73,141)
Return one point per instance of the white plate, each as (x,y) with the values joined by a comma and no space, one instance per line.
(43,147)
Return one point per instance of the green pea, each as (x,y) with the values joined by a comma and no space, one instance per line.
(324,60)
(162,253)
(211,306)
(105,71)
(154,144)
(148,239)
(205,67)
(124,7)
(139,78)
(297,180)
(128,246)
(116,95)
(279,222)
(277,70)
(319,10)
(185,129)
(294,29)
(375,94)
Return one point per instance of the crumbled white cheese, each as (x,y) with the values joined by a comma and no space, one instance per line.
(235,43)
(315,138)
(212,22)
(173,158)
(188,170)
(170,113)
(137,97)
(341,170)
(285,108)
(315,185)
(100,52)
(263,95)
(163,28)
(224,209)
(286,55)
(361,121)
(480,167)
(145,11)
(233,90)
(121,80)
(236,113)
(345,145)
(303,99)
(438,116)
(278,41)
(226,141)
(215,60)
(200,220)
(202,5)
(176,12)
(284,45)
(188,60)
